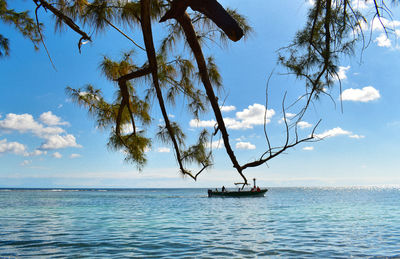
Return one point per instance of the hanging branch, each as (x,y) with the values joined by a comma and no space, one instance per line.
(126,36)
(210,8)
(68,21)
(185,21)
(322,44)
(41,36)
(125,102)
(150,50)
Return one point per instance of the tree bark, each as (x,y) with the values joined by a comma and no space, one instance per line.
(210,8)
(151,55)
(185,21)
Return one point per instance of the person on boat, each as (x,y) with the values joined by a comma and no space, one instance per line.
(258,189)
(223,188)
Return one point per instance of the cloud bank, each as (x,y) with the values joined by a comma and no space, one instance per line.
(365,94)
(246,119)
(47,128)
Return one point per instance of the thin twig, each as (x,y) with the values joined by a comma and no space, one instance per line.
(41,36)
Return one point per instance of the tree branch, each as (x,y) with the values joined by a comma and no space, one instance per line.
(68,21)
(135,74)
(126,36)
(185,22)
(151,55)
(210,8)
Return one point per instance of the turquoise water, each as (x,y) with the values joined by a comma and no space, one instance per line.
(185,223)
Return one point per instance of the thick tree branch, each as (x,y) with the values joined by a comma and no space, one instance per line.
(281,150)
(210,8)
(185,22)
(68,21)
(135,74)
(151,55)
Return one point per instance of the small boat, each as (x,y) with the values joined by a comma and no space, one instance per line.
(254,192)
(238,193)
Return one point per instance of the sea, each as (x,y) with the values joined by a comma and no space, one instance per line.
(185,223)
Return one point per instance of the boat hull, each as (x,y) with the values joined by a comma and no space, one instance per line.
(237,193)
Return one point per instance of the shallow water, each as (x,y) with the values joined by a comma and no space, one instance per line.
(185,223)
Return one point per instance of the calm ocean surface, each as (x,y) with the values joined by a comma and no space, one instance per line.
(185,223)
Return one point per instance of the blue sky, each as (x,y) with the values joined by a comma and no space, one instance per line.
(48,141)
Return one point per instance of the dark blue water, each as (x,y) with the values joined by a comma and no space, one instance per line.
(185,223)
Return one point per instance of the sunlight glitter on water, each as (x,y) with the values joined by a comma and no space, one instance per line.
(288,222)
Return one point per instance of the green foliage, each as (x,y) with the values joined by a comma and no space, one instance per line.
(331,31)
(4,49)
(92,99)
(165,137)
(199,153)
(22,22)
(133,145)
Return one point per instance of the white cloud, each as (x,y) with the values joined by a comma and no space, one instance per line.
(57,141)
(52,120)
(234,124)
(217,144)
(245,145)
(338,132)
(308,148)
(356,136)
(12,147)
(26,162)
(240,139)
(254,114)
(383,41)
(127,128)
(304,124)
(246,119)
(163,150)
(391,25)
(25,123)
(36,152)
(362,26)
(365,94)
(361,4)
(74,156)
(378,23)
(228,108)
(56,155)
(196,123)
(21,123)
(341,73)
(171,115)
(333,133)
(288,117)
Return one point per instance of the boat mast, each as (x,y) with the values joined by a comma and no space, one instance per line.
(254,180)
